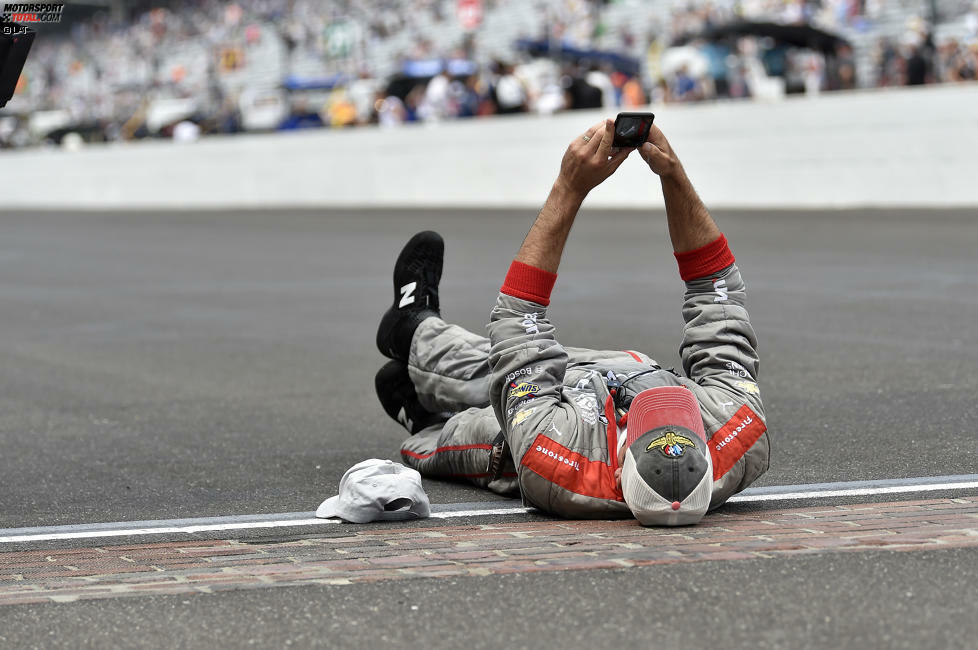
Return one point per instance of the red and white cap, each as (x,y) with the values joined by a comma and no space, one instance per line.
(667,475)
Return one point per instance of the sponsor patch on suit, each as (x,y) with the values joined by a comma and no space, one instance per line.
(523,389)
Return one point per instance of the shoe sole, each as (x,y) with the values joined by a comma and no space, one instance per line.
(389,378)
(399,399)
(385,334)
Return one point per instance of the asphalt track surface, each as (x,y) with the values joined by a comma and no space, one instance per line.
(174,365)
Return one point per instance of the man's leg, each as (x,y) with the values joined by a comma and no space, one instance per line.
(461,450)
(466,446)
(400,400)
(449,366)
(438,369)
(447,363)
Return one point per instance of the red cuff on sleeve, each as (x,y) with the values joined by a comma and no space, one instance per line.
(529,283)
(706,260)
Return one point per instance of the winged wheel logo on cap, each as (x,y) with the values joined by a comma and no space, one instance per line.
(671,444)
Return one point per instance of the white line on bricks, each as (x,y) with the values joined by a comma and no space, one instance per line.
(451,511)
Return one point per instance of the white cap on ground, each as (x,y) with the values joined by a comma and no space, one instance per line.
(375,490)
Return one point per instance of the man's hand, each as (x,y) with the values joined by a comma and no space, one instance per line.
(589,160)
(658,154)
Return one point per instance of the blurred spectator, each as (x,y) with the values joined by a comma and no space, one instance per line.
(632,94)
(578,92)
(186,131)
(466,96)
(916,67)
(362,92)
(390,110)
(888,63)
(435,105)
(813,72)
(957,62)
(509,91)
(339,108)
(102,77)
(301,117)
(413,102)
(600,79)
(845,69)
(685,87)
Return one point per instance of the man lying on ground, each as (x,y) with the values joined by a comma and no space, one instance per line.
(581,433)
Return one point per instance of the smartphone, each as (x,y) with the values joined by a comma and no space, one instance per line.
(632,129)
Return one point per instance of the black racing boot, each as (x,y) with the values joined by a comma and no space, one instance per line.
(417,273)
(399,399)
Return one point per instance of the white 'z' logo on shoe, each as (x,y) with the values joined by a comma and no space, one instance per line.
(407,294)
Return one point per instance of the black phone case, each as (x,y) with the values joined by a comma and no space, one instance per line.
(645,132)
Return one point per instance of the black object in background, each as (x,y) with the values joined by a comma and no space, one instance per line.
(632,129)
(14,47)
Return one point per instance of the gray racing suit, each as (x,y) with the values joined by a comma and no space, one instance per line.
(553,406)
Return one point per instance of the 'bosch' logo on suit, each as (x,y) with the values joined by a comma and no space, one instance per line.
(529,370)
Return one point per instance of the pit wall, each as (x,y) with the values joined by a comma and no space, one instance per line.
(901,147)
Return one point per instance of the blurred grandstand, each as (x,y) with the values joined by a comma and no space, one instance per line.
(120,71)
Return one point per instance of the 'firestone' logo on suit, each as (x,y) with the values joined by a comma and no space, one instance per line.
(560,458)
(730,437)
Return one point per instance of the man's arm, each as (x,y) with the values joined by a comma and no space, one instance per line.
(719,347)
(526,362)
(588,161)
(690,223)
(523,342)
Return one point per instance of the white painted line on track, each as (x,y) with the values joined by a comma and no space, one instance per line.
(854,492)
(217,527)
(166,530)
(480,513)
(450,511)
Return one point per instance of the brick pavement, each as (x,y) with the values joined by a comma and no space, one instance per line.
(383,553)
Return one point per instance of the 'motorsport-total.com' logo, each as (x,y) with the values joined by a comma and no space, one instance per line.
(31,12)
